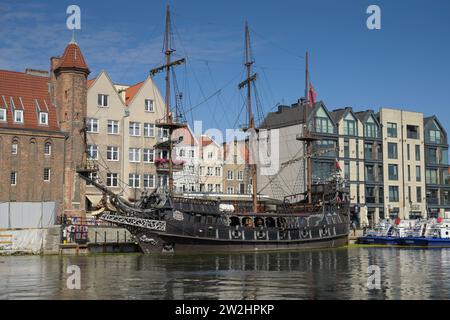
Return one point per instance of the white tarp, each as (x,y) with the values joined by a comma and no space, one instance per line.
(29,241)
(18,215)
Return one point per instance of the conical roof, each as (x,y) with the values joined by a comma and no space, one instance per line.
(73,59)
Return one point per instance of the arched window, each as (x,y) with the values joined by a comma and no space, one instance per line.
(48,148)
(14,147)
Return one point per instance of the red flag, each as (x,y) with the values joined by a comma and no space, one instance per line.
(312,95)
(338,166)
(397,221)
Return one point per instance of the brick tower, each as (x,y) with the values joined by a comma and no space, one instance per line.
(69,85)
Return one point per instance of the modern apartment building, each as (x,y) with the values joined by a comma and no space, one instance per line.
(437,168)
(396,161)
(403,163)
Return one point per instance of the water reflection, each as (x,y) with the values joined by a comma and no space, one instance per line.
(321,274)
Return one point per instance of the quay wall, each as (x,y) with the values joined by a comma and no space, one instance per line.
(30,241)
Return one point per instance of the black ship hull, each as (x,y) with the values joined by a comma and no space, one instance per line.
(327,232)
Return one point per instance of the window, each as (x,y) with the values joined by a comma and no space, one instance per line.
(46,174)
(218,172)
(92,125)
(431,156)
(210,155)
(368,151)
(210,187)
(371,128)
(112,180)
(409,172)
(392,130)
(134,155)
(434,136)
(163,181)
(419,194)
(102,100)
(149,155)
(149,105)
(230,190)
(2,114)
(113,127)
(393,194)
(134,180)
(417,153)
(112,153)
(47,148)
(322,122)
(18,116)
(350,125)
(92,152)
(347,170)
(408,154)
(182,153)
(192,153)
(412,132)
(370,177)
(13,178)
(93,176)
(393,172)
(43,118)
(346,149)
(14,147)
(149,181)
(444,156)
(431,176)
(392,151)
(163,133)
(210,171)
(218,188)
(149,130)
(321,146)
(230,175)
(240,175)
(370,195)
(418,175)
(135,129)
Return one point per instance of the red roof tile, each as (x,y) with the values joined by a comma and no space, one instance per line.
(132,91)
(206,141)
(72,58)
(90,82)
(26,92)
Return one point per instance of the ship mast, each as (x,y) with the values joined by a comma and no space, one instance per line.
(168,122)
(306,135)
(251,120)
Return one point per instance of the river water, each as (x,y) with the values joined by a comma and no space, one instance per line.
(319,274)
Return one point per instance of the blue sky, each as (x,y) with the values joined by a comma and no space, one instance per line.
(405,65)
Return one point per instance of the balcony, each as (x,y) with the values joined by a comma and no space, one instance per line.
(162,165)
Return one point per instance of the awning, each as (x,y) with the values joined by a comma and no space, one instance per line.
(95,199)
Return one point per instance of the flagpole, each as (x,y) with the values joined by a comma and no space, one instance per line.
(307,78)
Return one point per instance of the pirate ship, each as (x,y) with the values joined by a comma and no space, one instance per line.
(163,221)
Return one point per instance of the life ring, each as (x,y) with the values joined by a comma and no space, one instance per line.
(283,234)
(325,231)
(305,233)
(261,234)
(236,234)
